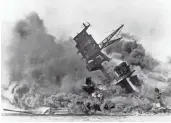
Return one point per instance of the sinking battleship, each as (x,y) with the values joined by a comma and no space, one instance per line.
(94,57)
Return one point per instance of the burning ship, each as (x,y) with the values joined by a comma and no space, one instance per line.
(96,98)
(94,58)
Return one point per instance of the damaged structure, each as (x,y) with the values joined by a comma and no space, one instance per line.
(92,54)
(94,57)
(91,51)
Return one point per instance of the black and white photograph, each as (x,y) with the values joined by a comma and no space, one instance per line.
(85,60)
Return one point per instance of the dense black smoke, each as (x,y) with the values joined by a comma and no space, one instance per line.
(37,54)
(150,71)
(40,61)
(132,52)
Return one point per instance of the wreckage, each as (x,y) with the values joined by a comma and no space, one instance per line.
(91,51)
(94,58)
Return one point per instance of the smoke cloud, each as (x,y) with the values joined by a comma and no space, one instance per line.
(39,60)
(132,52)
(47,69)
(149,70)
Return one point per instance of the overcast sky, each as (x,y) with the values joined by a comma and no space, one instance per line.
(150,20)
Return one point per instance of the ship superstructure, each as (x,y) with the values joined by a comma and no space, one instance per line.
(91,51)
